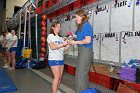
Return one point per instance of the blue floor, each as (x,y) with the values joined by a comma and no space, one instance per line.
(6,84)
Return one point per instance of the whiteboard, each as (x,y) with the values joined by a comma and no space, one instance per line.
(65,27)
(73,24)
(122,17)
(101,20)
(137,17)
(96,46)
(90,14)
(130,49)
(110,48)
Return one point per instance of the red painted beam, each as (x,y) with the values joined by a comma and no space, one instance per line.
(75,5)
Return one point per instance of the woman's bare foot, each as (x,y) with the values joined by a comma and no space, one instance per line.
(11,68)
(5,61)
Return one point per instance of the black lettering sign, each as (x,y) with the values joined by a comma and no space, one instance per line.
(102,8)
(130,34)
(137,33)
(120,4)
(110,35)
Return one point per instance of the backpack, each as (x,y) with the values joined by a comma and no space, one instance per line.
(90,90)
(21,63)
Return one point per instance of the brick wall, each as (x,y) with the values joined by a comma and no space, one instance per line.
(10,6)
(1,14)
(3,20)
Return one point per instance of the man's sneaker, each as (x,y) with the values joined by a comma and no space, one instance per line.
(5,66)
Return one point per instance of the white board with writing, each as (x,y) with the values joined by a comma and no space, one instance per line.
(65,27)
(73,24)
(96,46)
(90,14)
(101,19)
(110,47)
(122,16)
(130,46)
(137,15)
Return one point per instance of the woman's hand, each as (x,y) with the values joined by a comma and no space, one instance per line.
(72,42)
(87,40)
(65,43)
(73,35)
(64,38)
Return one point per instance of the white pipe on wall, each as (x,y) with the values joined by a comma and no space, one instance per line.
(36,36)
(25,28)
(19,25)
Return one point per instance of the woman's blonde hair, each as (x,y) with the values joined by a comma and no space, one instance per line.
(84,16)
